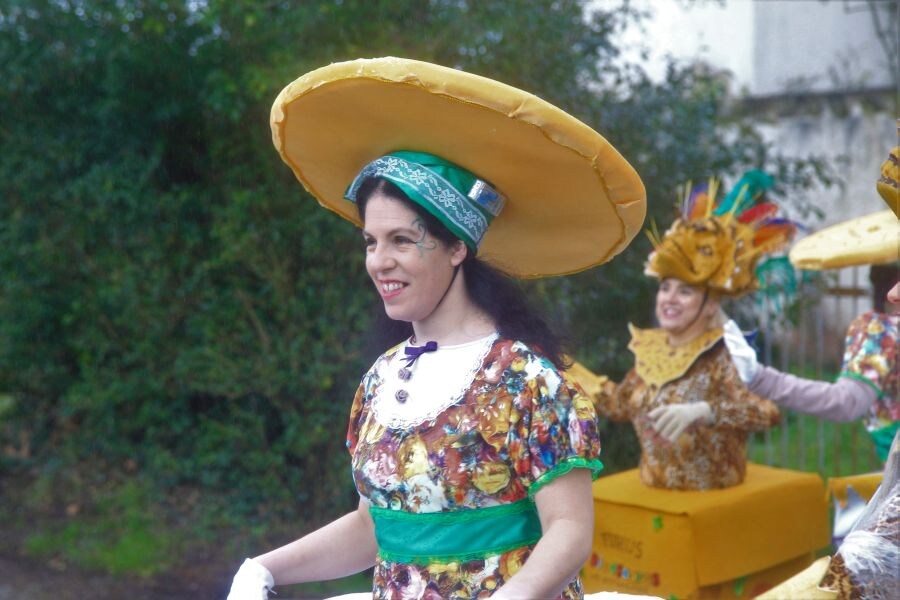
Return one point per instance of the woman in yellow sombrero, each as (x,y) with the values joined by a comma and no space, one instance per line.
(869,383)
(691,412)
(473,456)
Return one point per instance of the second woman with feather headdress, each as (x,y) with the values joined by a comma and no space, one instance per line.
(690,410)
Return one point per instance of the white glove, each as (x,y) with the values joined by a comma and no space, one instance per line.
(252,582)
(672,419)
(742,354)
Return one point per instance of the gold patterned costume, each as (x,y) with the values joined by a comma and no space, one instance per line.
(713,246)
(705,456)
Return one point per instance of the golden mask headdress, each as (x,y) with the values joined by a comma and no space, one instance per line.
(717,245)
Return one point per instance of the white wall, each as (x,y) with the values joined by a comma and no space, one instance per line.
(857,143)
(815,45)
(719,35)
(770,46)
(863,139)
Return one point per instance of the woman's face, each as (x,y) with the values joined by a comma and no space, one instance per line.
(410,268)
(677,305)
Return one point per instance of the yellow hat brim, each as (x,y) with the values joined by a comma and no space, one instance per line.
(573,201)
(870,240)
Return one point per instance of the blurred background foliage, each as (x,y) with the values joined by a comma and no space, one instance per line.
(178,317)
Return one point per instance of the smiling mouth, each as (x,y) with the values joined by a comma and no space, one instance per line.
(389,289)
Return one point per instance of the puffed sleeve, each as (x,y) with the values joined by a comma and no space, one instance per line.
(733,405)
(356,415)
(870,350)
(557,425)
(362,399)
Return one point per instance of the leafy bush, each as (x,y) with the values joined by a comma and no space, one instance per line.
(170,295)
(124,535)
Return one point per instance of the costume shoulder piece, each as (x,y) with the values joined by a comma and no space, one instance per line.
(589,381)
(658,363)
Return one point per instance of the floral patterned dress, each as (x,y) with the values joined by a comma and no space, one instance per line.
(704,456)
(517,426)
(870,355)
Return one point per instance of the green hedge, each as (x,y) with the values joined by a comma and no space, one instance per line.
(172,300)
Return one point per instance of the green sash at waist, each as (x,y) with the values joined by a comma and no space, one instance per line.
(460,535)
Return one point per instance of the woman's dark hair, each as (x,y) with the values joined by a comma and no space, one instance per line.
(883,278)
(492,290)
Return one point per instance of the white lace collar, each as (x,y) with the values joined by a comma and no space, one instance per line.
(439,380)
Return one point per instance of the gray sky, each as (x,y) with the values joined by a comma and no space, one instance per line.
(721,35)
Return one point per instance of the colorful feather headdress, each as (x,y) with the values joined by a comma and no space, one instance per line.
(717,245)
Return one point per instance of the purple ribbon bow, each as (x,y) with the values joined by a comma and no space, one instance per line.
(414,352)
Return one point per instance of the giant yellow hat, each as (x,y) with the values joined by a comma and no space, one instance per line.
(870,240)
(572,201)
(873,239)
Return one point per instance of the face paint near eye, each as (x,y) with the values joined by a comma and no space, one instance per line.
(421,242)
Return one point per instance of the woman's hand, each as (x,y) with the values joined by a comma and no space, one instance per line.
(672,419)
(252,582)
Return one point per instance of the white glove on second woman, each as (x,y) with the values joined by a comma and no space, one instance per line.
(742,354)
(672,419)
(252,582)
